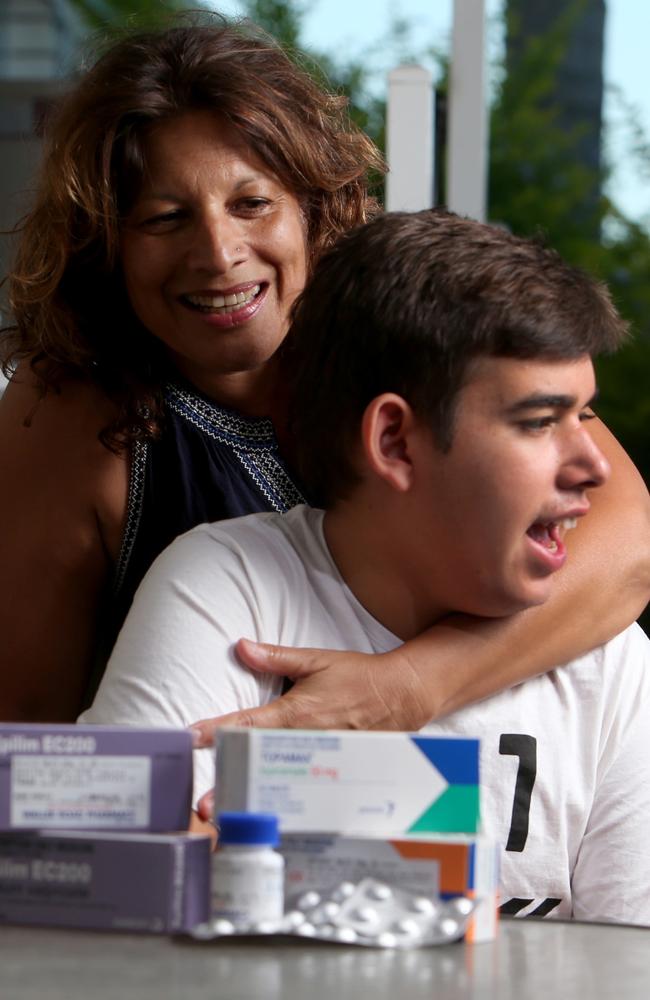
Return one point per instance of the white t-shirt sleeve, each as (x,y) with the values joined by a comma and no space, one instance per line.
(173,662)
(611,877)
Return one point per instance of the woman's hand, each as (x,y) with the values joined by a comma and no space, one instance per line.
(332,690)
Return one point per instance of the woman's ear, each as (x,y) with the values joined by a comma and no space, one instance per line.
(386,429)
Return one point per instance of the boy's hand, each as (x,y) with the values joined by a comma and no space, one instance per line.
(205,814)
(201,821)
(332,690)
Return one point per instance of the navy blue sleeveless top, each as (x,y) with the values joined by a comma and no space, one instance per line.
(209,464)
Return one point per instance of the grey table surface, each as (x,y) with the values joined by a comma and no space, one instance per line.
(529,960)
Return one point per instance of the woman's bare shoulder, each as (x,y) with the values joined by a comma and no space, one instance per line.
(50,443)
(62,510)
(75,412)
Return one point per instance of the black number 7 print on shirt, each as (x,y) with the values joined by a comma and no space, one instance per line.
(525,748)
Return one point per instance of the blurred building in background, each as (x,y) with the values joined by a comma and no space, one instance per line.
(577,94)
(38,42)
(37,38)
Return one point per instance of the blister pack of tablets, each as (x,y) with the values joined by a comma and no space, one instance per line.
(368,913)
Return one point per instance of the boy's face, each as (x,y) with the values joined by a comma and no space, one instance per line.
(519,466)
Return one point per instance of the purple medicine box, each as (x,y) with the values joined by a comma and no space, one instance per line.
(146,882)
(94,778)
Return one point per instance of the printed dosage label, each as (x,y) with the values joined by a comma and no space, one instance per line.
(80,792)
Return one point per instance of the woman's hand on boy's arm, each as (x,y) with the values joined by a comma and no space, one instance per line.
(332,690)
(446,667)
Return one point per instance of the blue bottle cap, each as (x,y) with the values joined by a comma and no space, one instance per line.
(248,828)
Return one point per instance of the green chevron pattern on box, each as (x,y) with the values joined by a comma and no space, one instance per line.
(457,809)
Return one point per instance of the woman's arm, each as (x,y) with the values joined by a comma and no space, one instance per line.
(62,506)
(603,587)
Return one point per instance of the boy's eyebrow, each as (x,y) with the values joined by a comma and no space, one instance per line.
(547,401)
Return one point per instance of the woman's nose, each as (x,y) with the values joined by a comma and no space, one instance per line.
(217,244)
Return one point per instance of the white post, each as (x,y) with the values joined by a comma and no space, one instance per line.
(467,135)
(409,139)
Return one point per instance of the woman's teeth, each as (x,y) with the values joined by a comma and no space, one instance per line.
(223,303)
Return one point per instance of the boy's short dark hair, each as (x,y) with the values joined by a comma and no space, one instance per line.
(403,304)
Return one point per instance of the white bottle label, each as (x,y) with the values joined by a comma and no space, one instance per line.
(247,887)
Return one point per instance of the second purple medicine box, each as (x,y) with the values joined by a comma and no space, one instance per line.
(149,882)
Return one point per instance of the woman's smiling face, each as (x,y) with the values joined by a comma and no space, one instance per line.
(213,250)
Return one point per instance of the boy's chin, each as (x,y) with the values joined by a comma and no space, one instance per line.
(512,601)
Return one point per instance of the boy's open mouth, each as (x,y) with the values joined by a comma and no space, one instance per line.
(550,533)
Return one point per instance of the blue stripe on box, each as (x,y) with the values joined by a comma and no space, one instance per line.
(456,759)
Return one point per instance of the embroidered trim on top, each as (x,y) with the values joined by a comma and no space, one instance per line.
(252,441)
(133,511)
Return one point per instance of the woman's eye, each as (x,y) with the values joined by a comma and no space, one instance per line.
(252,205)
(162,219)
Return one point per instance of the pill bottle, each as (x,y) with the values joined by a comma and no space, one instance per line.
(247,874)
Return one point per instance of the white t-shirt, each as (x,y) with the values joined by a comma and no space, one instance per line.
(565,757)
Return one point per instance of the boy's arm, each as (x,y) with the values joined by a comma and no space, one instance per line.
(603,587)
(611,877)
(174,653)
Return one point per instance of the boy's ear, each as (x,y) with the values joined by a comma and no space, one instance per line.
(386,429)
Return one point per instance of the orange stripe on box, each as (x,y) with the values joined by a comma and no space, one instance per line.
(452,858)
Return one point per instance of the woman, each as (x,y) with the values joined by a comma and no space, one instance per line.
(189,181)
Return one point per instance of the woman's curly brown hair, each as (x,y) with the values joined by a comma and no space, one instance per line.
(72,315)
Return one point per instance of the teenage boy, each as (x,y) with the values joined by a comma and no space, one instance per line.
(443,384)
